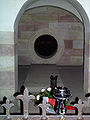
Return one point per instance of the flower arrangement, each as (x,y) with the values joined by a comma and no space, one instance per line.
(43,93)
(57,97)
(50,99)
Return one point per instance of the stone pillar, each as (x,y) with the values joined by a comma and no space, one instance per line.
(7,64)
(89,66)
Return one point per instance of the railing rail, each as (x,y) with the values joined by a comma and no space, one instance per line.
(25,98)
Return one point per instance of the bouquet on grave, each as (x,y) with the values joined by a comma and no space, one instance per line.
(57,97)
(45,93)
(48,93)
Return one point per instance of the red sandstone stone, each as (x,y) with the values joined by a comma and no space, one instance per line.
(32,27)
(41,26)
(68,44)
(26,27)
(73,52)
(65,60)
(67,18)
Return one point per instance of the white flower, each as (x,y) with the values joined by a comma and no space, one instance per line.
(49,89)
(42,90)
(38,97)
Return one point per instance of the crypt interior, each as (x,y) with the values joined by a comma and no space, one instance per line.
(38,39)
(51,42)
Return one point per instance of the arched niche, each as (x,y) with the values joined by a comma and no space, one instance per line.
(73,7)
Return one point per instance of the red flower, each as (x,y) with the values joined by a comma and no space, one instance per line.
(46,95)
(41,93)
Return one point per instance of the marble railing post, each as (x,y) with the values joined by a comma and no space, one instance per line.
(8,106)
(25,99)
(44,106)
(80,107)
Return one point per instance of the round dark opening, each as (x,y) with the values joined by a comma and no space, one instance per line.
(45,46)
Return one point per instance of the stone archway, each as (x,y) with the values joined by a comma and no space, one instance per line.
(79,12)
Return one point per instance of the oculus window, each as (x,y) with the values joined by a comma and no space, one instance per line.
(45,46)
